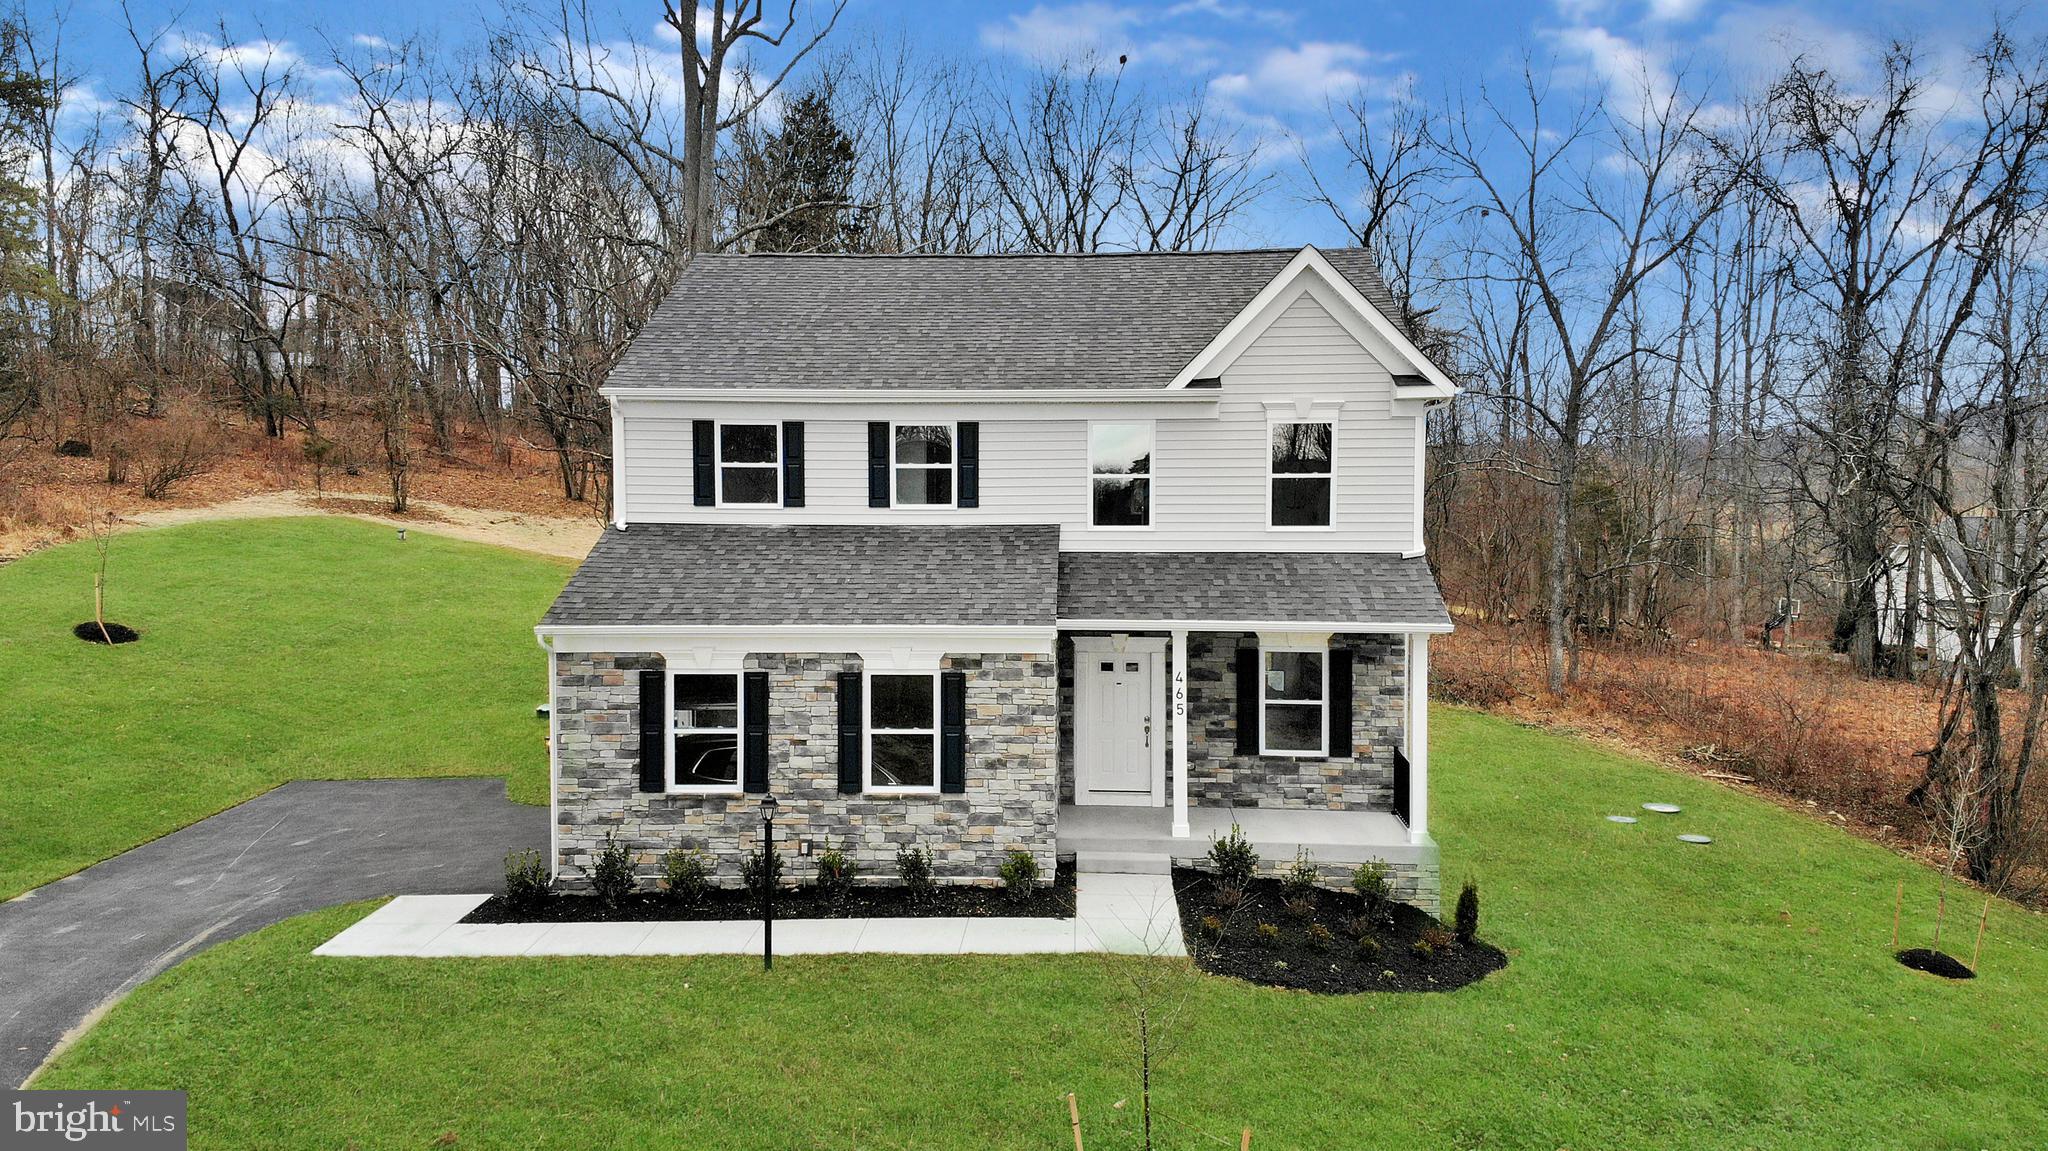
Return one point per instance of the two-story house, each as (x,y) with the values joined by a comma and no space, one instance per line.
(1066,554)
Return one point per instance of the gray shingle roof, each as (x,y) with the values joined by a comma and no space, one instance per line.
(1094,321)
(1264,587)
(741,574)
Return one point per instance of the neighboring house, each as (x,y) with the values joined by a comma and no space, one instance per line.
(1935,634)
(1060,554)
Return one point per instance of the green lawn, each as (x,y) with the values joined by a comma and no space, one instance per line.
(271,650)
(1660,996)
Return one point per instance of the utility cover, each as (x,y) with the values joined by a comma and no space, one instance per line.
(1663,808)
(1694,839)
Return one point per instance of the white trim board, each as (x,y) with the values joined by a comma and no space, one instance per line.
(905,647)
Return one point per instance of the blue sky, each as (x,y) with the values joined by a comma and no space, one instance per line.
(1273,64)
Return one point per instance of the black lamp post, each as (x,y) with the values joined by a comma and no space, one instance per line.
(767,883)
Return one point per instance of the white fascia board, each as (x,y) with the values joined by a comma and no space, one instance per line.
(1356,313)
(906,395)
(1286,625)
(716,646)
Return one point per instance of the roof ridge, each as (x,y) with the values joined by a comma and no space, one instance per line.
(1267,251)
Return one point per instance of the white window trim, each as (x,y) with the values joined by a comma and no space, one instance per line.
(895,497)
(868,785)
(1274,422)
(1151,475)
(739,711)
(1322,705)
(719,465)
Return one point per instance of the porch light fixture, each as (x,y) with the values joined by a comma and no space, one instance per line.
(768,806)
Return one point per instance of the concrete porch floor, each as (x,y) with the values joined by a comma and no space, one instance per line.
(1332,837)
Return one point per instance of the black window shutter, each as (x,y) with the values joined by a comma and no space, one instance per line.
(793,463)
(1341,745)
(878,464)
(754,752)
(850,726)
(953,732)
(1249,699)
(653,730)
(970,465)
(704,473)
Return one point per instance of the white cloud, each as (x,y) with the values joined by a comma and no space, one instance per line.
(1053,32)
(1303,76)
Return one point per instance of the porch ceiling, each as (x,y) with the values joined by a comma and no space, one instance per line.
(1333,837)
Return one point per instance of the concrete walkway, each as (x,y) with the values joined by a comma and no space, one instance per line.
(71,948)
(1128,914)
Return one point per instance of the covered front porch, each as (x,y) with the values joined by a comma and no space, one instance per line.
(1336,839)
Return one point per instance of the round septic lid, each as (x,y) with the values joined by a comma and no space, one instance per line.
(1621,819)
(1663,808)
(1694,839)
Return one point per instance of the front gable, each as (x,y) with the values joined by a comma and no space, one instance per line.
(1309,276)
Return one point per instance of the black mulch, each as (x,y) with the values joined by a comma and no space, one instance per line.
(89,631)
(1935,963)
(1337,965)
(1055,902)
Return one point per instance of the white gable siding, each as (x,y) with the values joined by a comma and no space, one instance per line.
(1209,472)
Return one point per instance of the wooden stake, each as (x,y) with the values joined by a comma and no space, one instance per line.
(1897,901)
(1247,1144)
(1940,915)
(1982,918)
(1074,1113)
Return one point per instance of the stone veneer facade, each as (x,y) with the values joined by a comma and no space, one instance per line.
(1010,802)
(1361,781)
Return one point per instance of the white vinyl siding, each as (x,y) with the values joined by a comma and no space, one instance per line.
(1209,486)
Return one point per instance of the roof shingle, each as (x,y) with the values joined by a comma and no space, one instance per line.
(973,322)
(1251,587)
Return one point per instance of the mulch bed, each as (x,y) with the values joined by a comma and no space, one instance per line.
(1935,963)
(1295,960)
(89,631)
(1055,902)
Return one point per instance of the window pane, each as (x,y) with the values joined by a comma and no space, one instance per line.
(1121,502)
(924,485)
(707,760)
(749,485)
(1294,675)
(924,444)
(1301,448)
(1294,727)
(1117,449)
(1301,502)
(904,761)
(902,701)
(707,701)
(747,443)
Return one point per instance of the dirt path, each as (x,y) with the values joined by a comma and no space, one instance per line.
(567,536)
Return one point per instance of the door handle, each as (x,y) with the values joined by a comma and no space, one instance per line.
(1148,731)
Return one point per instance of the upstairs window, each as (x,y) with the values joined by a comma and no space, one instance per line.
(923,465)
(706,733)
(1300,475)
(749,463)
(903,733)
(1120,475)
(1295,697)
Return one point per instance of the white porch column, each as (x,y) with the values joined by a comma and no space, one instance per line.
(1178,680)
(1417,731)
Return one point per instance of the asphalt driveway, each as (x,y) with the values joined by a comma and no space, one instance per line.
(71,946)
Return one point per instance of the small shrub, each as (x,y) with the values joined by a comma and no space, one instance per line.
(1319,937)
(611,877)
(760,871)
(1424,950)
(1368,949)
(1228,896)
(1437,936)
(1467,918)
(1267,934)
(1212,928)
(1298,884)
(835,873)
(1360,927)
(914,868)
(184,444)
(1375,890)
(1234,859)
(685,876)
(1020,874)
(527,882)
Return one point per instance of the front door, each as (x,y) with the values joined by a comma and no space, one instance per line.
(1116,741)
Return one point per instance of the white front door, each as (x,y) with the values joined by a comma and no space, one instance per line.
(1117,733)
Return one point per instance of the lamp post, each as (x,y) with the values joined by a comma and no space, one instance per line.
(768,883)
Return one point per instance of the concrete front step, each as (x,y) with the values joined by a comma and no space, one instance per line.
(1122,863)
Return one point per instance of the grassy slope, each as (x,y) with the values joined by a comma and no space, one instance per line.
(1660,996)
(271,650)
